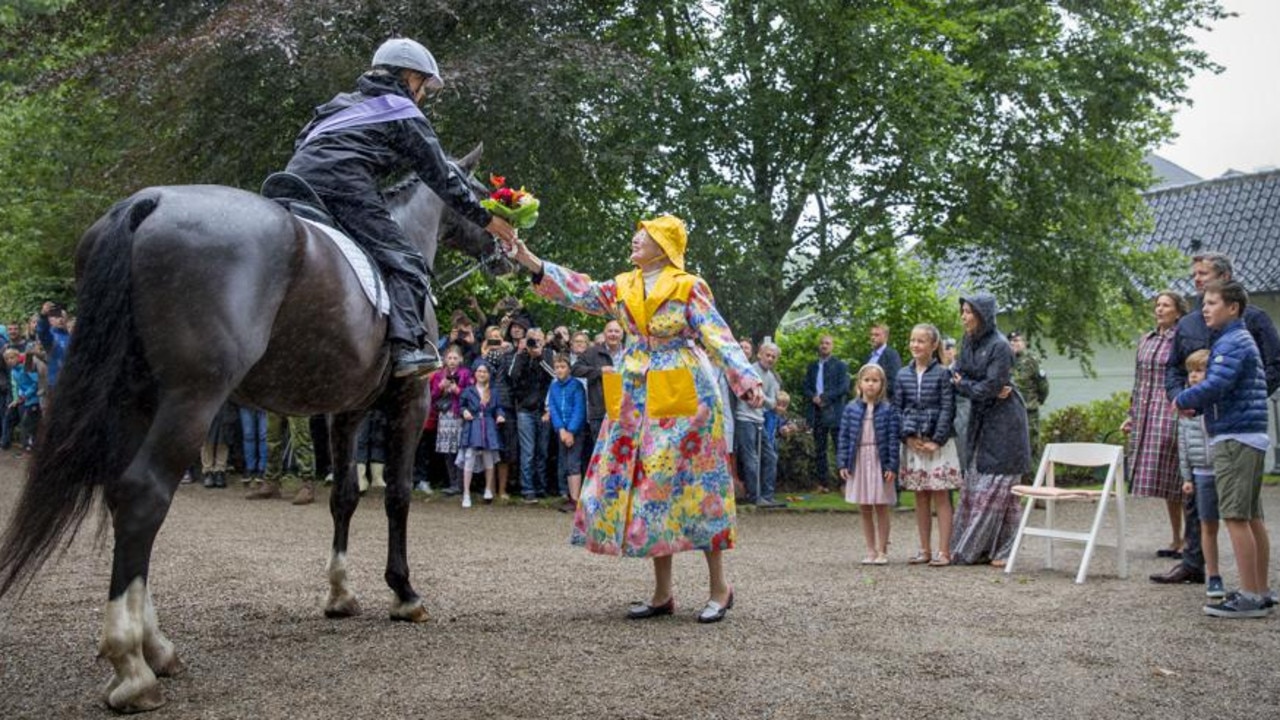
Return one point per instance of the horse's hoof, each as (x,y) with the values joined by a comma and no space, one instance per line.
(134,696)
(411,611)
(342,607)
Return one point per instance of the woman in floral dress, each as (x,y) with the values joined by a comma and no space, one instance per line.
(658,482)
(1152,422)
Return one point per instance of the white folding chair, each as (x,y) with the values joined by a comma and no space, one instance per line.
(1090,455)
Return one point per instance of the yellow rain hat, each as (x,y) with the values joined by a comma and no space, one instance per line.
(668,231)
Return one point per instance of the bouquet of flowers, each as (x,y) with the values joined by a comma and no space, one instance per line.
(518,207)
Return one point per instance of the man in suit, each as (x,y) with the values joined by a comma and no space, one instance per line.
(885,356)
(826,385)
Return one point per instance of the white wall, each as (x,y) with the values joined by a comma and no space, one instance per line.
(1114,366)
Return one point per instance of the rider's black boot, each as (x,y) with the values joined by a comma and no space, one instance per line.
(407,360)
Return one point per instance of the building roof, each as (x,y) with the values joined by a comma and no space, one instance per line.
(1237,214)
(1168,174)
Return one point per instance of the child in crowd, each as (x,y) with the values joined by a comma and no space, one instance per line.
(447,385)
(25,380)
(567,405)
(925,399)
(1195,460)
(867,455)
(1233,401)
(480,442)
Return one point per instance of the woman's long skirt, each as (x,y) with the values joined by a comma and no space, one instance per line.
(987,519)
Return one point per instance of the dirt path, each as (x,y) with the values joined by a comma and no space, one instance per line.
(525,626)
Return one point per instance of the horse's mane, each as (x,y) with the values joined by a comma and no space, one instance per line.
(400,191)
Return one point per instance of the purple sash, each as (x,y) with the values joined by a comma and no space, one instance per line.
(383,108)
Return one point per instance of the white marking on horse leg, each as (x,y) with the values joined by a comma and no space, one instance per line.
(134,687)
(157,648)
(342,602)
(409,611)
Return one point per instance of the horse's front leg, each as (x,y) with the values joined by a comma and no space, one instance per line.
(405,401)
(342,505)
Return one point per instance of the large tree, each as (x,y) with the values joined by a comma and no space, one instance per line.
(802,137)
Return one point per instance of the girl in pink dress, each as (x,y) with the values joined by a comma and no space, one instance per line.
(868,458)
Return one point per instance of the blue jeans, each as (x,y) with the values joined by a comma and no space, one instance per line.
(253,427)
(748,442)
(534,437)
(769,466)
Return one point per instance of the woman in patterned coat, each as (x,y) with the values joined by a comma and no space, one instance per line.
(658,482)
(1152,423)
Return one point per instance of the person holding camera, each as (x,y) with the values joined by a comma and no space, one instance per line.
(531,377)
(447,385)
(498,355)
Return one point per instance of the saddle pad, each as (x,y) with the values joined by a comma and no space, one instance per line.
(370,278)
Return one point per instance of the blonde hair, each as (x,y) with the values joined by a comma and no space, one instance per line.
(935,334)
(1198,360)
(884,382)
(783,397)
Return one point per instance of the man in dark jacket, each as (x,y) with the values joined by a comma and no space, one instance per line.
(591,365)
(886,357)
(359,141)
(1191,334)
(531,377)
(826,386)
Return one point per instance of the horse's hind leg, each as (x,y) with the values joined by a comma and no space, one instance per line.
(342,504)
(139,500)
(406,409)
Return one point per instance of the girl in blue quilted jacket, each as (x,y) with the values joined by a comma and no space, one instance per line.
(868,458)
(930,463)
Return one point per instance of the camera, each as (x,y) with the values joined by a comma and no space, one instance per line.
(531,343)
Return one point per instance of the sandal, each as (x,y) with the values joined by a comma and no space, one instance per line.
(940,560)
(920,558)
(997,564)
(881,559)
(869,560)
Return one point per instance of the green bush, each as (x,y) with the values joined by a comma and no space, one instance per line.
(1097,421)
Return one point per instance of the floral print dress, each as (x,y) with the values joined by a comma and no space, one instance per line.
(658,481)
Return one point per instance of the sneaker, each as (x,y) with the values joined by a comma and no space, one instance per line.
(530,500)
(1214,589)
(407,360)
(451,491)
(1237,607)
(1270,600)
(466,501)
(423,487)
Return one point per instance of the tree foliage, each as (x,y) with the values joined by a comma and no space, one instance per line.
(803,140)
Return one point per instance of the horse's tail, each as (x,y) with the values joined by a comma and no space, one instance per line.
(83,440)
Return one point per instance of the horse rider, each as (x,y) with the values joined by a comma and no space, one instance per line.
(355,144)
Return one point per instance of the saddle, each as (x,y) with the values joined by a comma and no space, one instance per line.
(295,195)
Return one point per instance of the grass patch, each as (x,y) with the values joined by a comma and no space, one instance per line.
(831,502)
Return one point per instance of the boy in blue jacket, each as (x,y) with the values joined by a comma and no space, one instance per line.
(1233,400)
(567,405)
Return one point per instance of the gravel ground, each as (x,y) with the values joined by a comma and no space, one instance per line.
(524,626)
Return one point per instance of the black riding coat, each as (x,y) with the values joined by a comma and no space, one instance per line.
(363,159)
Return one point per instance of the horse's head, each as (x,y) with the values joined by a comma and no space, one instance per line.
(427,220)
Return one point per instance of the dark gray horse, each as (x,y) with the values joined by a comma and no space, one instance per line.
(190,295)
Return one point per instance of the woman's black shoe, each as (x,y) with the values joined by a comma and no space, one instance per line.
(640,611)
(714,612)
